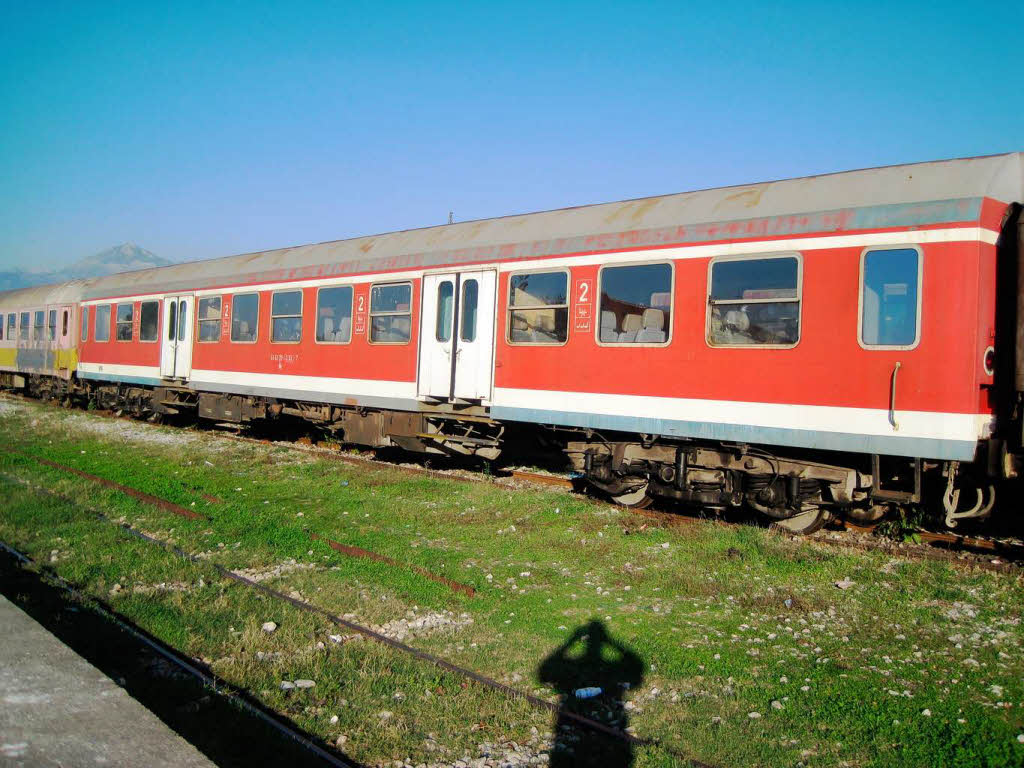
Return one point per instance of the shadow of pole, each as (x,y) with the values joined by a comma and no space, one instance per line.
(591,659)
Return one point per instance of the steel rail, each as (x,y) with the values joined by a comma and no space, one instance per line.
(219,686)
(483,680)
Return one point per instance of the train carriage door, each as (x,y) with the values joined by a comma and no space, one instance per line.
(176,337)
(457,336)
(434,381)
(66,339)
(474,345)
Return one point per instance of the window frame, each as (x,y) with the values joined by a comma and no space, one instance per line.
(302,300)
(96,325)
(256,326)
(370,314)
(156,338)
(708,305)
(671,306)
(35,334)
(461,320)
(12,326)
(220,319)
(860,297)
(509,308)
(51,330)
(351,314)
(83,330)
(25,326)
(130,324)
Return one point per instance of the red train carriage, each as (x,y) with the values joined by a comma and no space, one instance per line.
(840,343)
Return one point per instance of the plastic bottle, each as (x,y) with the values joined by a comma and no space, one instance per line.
(587,693)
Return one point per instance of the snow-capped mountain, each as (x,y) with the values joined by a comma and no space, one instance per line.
(121,258)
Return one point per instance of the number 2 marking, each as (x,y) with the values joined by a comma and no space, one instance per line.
(362,304)
(584,293)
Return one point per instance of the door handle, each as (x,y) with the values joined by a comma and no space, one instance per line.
(892,398)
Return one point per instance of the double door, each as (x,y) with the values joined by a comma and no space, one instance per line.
(457,336)
(176,338)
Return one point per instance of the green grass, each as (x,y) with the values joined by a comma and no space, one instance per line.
(725,620)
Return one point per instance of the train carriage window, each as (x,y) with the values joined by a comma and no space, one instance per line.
(103,322)
(38,323)
(890,307)
(445,308)
(85,323)
(51,325)
(754,302)
(245,313)
(538,308)
(65,318)
(25,326)
(149,321)
(334,315)
(3,325)
(286,317)
(636,304)
(209,318)
(391,313)
(125,316)
(12,324)
(470,297)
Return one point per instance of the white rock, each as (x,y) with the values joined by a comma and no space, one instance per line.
(385,715)
(776,704)
(334,719)
(1020,738)
(845,584)
(304,683)
(753,715)
(287,685)
(269,627)
(926,712)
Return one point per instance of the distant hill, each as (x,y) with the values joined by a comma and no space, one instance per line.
(121,258)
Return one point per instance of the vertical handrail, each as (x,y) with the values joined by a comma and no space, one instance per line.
(892,398)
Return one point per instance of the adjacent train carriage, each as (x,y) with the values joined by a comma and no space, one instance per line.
(836,344)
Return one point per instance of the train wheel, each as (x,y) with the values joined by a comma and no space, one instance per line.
(636,499)
(812,518)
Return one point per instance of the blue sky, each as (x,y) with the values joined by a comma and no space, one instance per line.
(206,129)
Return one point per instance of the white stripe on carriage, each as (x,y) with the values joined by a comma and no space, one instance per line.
(818,418)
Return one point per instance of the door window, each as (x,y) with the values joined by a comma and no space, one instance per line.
(470,297)
(445,308)
(64,324)
(182,318)
(890,310)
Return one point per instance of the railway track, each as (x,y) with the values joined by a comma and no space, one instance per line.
(207,678)
(984,553)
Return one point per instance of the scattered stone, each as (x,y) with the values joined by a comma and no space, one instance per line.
(716,720)
(845,584)
(776,704)
(287,685)
(304,683)
(385,715)
(334,719)
(754,715)
(926,712)
(269,627)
